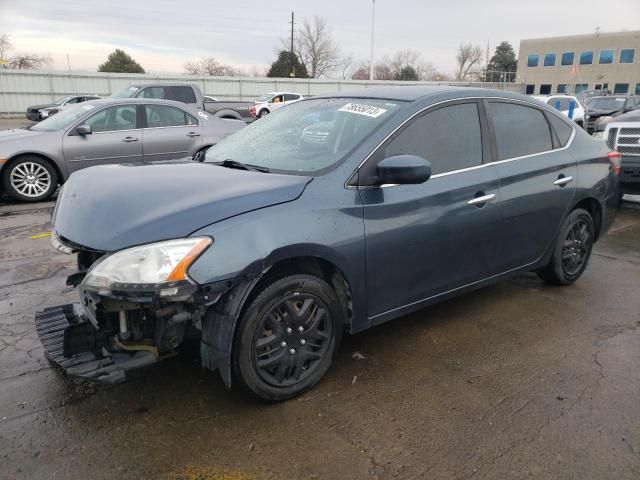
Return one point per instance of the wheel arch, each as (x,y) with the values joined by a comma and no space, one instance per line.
(49,160)
(228,115)
(594,208)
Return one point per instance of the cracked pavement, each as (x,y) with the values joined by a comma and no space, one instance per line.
(516,380)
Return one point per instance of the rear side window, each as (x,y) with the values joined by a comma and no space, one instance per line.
(519,130)
(448,137)
(182,94)
(166,116)
(562,129)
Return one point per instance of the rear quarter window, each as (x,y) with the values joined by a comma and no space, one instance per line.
(519,130)
(563,129)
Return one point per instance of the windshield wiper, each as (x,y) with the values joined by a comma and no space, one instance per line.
(228,163)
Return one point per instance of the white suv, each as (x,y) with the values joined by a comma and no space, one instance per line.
(269,102)
(561,102)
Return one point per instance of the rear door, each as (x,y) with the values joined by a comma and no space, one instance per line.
(169,133)
(538,178)
(424,240)
(115,138)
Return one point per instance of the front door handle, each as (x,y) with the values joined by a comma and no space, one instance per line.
(193,134)
(562,180)
(129,139)
(480,201)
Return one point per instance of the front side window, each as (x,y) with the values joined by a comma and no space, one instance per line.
(153,92)
(586,58)
(549,59)
(532,60)
(166,116)
(606,57)
(121,117)
(627,55)
(309,136)
(449,138)
(567,58)
(519,130)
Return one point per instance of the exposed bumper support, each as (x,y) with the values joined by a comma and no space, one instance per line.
(73,343)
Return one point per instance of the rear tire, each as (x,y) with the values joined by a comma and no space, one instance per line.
(572,250)
(30,179)
(263,112)
(286,338)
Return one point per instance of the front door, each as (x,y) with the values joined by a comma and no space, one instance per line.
(425,240)
(537,179)
(169,133)
(115,138)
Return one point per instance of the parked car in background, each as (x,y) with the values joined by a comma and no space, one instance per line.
(275,246)
(189,94)
(585,96)
(605,109)
(36,159)
(270,102)
(36,113)
(623,136)
(563,103)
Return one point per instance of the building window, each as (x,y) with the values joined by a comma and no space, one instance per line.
(562,88)
(545,89)
(567,58)
(627,55)
(581,87)
(549,59)
(606,57)
(586,58)
(637,88)
(621,88)
(530,89)
(532,60)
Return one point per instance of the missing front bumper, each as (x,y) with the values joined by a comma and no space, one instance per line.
(73,343)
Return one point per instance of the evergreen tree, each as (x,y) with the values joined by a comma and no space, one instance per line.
(286,64)
(503,60)
(120,61)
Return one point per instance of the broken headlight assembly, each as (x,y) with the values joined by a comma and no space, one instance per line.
(148,273)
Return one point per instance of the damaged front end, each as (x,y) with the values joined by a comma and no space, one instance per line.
(135,308)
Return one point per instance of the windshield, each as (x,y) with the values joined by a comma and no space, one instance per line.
(264,98)
(63,119)
(62,100)
(304,137)
(127,92)
(606,103)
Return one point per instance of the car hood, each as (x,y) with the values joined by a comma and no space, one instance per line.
(110,207)
(18,133)
(38,107)
(600,112)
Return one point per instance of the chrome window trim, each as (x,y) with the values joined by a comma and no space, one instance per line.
(475,167)
(115,131)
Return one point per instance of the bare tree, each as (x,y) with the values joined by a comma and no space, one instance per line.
(468,56)
(316,47)
(346,66)
(210,66)
(5,46)
(29,61)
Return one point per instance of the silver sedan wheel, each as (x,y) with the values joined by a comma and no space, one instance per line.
(30,179)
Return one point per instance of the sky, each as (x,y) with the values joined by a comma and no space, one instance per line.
(163,35)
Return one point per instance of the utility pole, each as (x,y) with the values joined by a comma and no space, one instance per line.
(373,25)
(293,70)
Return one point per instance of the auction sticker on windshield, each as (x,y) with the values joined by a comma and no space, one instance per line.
(366,110)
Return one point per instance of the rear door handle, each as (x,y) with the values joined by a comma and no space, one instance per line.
(479,201)
(129,139)
(562,181)
(193,134)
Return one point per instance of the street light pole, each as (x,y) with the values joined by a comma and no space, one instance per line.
(373,24)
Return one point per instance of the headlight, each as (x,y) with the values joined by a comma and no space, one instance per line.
(155,269)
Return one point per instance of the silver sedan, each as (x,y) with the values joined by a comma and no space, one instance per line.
(33,161)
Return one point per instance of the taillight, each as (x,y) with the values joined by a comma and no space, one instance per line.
(616,159)
(252,110)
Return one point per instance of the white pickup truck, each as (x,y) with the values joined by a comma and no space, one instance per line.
(623,136)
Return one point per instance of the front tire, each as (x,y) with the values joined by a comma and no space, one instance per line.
(572,250)
(263,112)
(286,338)
(30,179)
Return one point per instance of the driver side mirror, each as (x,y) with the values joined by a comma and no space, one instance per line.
(83,129)
(403,170)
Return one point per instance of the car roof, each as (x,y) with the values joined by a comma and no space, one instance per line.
(117,101)
(161,84)
(411,93)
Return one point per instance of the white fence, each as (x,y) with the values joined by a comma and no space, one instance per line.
(19,89)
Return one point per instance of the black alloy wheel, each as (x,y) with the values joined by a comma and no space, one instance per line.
(572,249)
(287,336)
